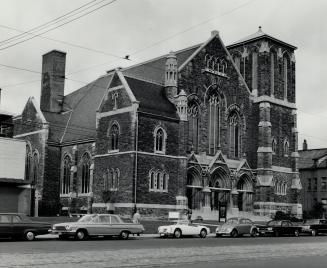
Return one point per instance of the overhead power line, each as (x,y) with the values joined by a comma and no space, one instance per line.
(23,33)
(53,28)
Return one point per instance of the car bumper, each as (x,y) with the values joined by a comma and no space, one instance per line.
(220,233)
(62,232)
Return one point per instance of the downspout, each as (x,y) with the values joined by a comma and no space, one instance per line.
(136,154)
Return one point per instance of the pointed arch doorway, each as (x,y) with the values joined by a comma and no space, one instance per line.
(194,189)
(245,193)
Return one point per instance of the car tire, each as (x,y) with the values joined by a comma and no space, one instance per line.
(234,233)
(29,236)
(296,233)
(254,233)
(81,235)
(314,232)
(124,235)
(178,233)
(203,233)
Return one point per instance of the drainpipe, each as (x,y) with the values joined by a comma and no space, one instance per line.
(136,154)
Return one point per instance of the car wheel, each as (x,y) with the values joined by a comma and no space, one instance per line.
(124,235)
(178,233)
(234,233)
(314,232)
(29,236)
(254,232)
(203,233)
(296,233)
(81,235)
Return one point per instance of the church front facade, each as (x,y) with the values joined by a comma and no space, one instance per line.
(209,128)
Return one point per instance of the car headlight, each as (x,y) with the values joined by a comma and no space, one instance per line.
(218,228)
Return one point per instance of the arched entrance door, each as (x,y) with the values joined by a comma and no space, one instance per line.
(245,193)
(194,190)
(220,189)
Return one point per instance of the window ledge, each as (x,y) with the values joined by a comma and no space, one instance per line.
(159,152)
(158,191)
(113,151)
(64,195)
(84,194)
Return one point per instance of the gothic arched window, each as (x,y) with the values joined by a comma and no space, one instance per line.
(86,163)
(35,168)
(286,147)
(193,119)
(158,181)
(214,124)
(160,140)
(234,134)
(114,136)
(273,59)
(285,78)
(274,146)
(28,163)
(65,181)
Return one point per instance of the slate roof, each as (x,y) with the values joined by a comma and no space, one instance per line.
(256,36)
(154,70)
(79,119)
(152,97)
(307,157)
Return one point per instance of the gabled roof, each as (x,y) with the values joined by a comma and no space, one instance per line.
(256,36)
(307,157)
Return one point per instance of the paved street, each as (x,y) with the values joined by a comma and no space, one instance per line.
(151,252)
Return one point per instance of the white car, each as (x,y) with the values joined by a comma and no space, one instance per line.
(183,227)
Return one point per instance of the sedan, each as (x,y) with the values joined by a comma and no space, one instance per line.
(315,226)
(183,228)
(97,225)
(19,226)
(237,226)
(279,228)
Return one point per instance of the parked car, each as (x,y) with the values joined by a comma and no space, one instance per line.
(279,228)
(237,226)
(315,226)
(19,226)
(183,228)
(97,225)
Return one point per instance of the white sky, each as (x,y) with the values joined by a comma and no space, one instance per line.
(127,26)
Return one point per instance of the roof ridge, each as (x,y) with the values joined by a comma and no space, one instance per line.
(160,57)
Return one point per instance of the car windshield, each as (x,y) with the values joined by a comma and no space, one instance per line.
(274,223)
(88,218)
(184,222)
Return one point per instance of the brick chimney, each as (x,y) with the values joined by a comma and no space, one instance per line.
(53,81)
(305,145)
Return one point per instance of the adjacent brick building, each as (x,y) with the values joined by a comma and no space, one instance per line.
(210,128)
(313,174)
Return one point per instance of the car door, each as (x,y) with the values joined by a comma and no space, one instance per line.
(242,226)
(286,228)
(6,227)
(18,226)
(103,227)
(116,225)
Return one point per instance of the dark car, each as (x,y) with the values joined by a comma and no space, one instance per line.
(19,226)
(315,226)
(279,228)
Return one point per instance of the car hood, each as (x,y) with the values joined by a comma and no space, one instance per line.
(67,223)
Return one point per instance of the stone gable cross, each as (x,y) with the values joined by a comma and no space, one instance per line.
(114,97)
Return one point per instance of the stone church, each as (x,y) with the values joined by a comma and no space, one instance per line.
(211,128)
